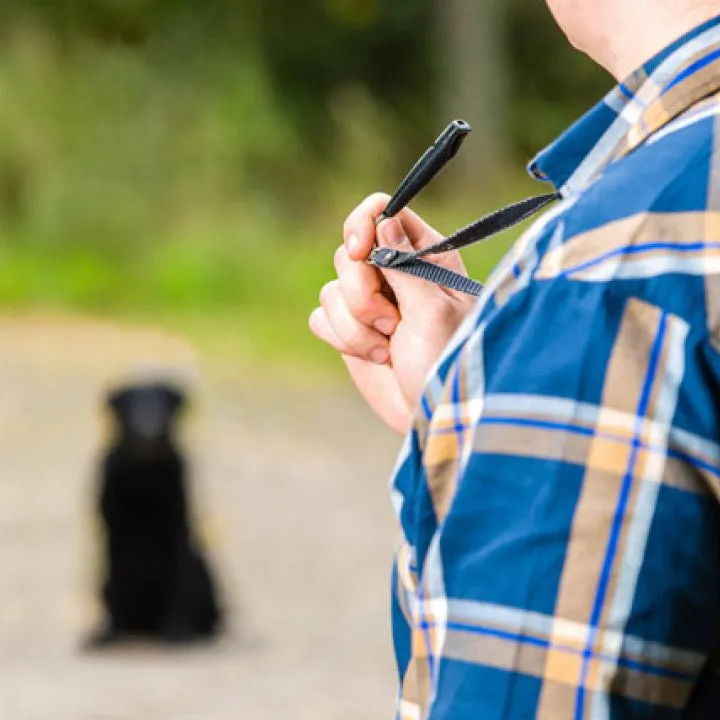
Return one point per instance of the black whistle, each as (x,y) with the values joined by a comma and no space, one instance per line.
(427,167)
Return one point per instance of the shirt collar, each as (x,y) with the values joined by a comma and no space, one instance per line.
(673,81)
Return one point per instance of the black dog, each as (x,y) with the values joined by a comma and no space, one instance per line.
(157,583)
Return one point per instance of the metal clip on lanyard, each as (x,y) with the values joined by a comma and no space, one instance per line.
(428,167)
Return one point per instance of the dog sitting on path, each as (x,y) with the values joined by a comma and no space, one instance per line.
(158,584)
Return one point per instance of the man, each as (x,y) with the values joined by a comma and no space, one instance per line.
(558,488)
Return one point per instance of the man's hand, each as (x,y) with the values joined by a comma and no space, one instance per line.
(389,327)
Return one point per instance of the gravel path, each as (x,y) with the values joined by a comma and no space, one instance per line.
(297,521)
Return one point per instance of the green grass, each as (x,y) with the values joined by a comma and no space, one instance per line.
(247,297)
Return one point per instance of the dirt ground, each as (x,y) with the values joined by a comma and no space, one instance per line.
(291,494)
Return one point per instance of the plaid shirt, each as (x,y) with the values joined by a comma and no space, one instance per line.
(558,493)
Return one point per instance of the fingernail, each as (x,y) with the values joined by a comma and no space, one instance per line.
(353,243)
(385,325)
(380,356)
(394,234)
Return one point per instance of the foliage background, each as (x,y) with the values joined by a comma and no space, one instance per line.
(193,162)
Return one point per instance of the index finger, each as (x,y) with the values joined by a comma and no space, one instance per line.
(359,232)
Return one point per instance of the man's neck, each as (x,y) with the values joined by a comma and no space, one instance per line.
(639,30)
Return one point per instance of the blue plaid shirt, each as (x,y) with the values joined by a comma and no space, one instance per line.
(558,493)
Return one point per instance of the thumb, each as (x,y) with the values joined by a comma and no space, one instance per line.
(410,291)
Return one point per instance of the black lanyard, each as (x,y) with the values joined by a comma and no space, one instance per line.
(412,263)
(426,168)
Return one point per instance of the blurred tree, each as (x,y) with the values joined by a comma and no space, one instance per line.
(318,47)
(551,83)
(473,82)
(259,83)
(501,63)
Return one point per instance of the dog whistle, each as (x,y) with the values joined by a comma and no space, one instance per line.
(435,158)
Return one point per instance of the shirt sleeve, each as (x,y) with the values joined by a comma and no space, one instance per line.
(568,531)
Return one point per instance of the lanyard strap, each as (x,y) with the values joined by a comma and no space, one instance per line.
(413,264)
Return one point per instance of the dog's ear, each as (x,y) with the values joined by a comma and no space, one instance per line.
(117,401)
(175,399)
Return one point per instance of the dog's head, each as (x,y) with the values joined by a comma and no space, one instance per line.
(146,413)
